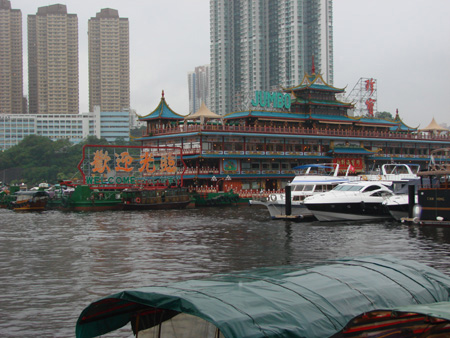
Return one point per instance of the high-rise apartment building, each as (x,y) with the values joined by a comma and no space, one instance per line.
(109,62)
(11,70)
(265,45)
(198,83)
(53,61)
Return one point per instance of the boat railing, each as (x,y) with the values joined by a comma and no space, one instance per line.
(293,130)
(258,194)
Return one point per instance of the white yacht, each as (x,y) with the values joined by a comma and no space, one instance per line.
(311,179)
(363,199)
(351,201)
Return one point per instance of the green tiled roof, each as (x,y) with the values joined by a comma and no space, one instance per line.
(267,114)
(162,111)
(359,151)
(323,102)
(396,125)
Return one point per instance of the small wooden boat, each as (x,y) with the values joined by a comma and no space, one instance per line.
(154,199)
(30,200)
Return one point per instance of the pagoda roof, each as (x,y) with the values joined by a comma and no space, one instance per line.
(162,112)
(352,150)
(265,114)
(324,102)
(393,125)
(314,81)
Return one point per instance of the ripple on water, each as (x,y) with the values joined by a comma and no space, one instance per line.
(53,264)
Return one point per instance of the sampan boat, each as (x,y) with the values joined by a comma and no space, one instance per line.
(30,200)
(311,301)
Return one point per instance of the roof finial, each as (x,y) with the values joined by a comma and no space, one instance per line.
(162,94)
(313,68)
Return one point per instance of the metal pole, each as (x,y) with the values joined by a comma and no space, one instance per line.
(288,200)
(411,199)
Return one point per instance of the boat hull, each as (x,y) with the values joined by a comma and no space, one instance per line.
(216,199)
(435,203)
(156,206)
(29,208)
(161,199)
(278,210)
(349,212)
(83,198)
(398,206)
(97,207)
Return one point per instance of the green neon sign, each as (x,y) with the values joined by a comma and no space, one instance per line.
(271,99)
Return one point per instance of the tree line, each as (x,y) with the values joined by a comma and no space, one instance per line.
(38,159)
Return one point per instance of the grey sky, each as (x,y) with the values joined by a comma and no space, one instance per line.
(403,44)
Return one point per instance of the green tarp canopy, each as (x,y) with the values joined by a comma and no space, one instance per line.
(315,300)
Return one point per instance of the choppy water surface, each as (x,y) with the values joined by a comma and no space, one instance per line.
(54,264)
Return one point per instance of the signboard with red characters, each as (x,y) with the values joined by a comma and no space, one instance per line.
(111,166)
(356,163)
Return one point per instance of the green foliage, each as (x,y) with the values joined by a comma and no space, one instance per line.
(384,115)
(44,160)
(120,141)
(137,132)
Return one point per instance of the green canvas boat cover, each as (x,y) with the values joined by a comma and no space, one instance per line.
(315,300)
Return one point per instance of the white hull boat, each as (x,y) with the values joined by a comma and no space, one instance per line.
(353,201)
(312,179)
(363,200)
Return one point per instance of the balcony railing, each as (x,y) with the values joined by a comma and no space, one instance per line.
(297,131)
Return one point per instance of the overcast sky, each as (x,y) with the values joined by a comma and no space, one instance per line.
(403,44)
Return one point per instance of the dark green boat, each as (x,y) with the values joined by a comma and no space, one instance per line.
(83,198)
(7,196)
(214,199)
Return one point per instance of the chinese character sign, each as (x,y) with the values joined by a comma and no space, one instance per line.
(370,104)
(100,162)
(370,83)
(354,164)
(131,165)
(123,161)
(168,163)
(147,160)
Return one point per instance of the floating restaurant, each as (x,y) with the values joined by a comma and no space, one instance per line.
(258,149)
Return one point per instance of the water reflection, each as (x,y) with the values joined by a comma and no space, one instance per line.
(54,264)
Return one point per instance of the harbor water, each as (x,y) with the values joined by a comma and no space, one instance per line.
(53,264)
